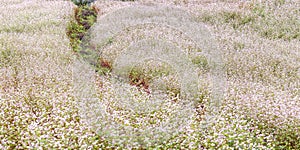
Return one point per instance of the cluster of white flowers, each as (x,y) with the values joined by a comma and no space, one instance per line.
(263,87)
(260,48)
(262,62)
(37,106)
(133,35)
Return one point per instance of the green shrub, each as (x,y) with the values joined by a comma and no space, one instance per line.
(82,2)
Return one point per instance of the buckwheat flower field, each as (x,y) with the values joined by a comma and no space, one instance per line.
(150,74)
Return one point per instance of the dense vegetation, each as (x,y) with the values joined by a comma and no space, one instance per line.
(40,41)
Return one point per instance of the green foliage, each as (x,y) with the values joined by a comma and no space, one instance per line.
(286,136)
(85,17)
(82,2)
(234,19)
(75,33)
